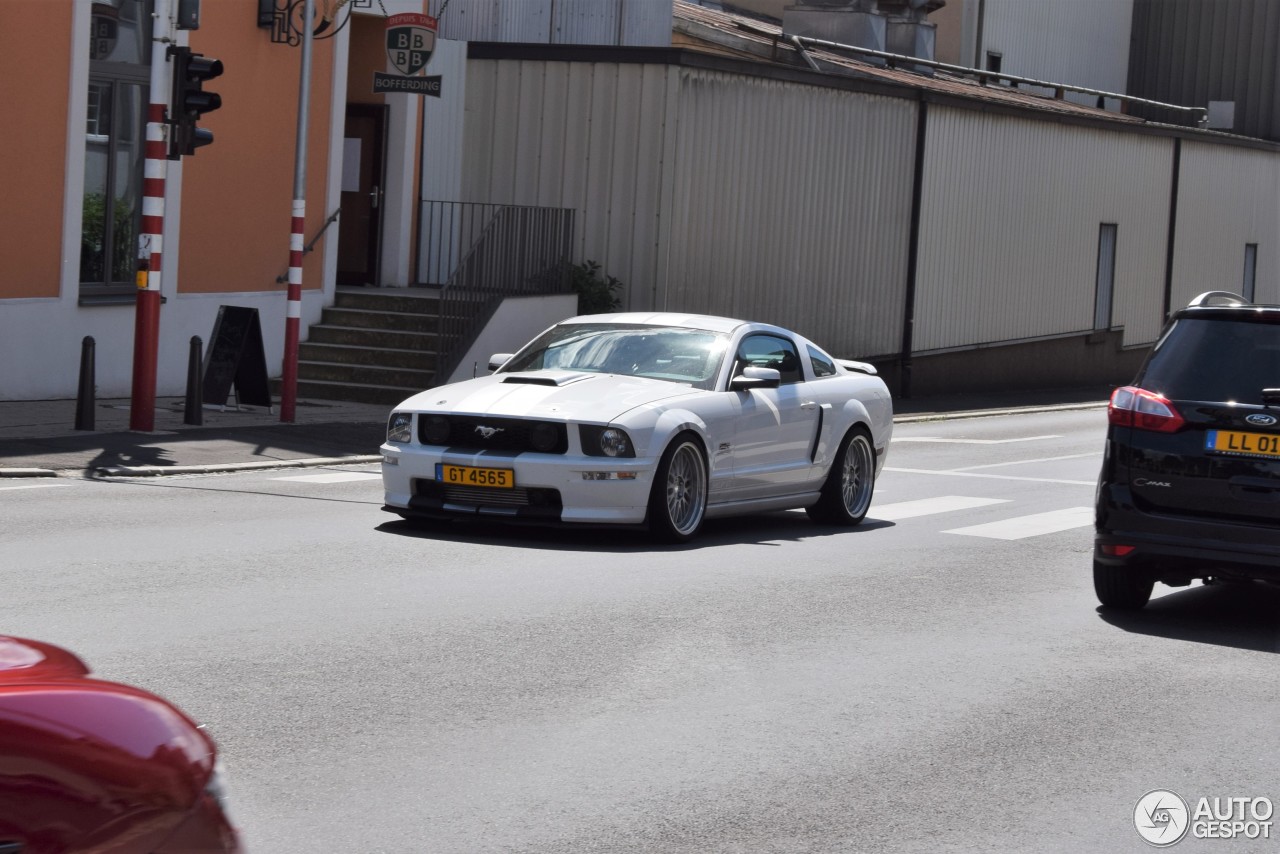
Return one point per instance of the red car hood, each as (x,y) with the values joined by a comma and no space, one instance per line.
(23,660)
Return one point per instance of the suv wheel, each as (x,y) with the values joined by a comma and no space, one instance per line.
(1124,588)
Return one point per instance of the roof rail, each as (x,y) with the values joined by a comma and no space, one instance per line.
(1218,298)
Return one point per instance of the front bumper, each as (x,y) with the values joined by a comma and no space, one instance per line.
(548,487)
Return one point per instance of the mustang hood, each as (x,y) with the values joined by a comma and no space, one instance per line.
(550,394)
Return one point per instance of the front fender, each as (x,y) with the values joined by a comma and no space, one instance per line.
(876,416)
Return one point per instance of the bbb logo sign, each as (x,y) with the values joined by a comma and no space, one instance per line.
(410,40)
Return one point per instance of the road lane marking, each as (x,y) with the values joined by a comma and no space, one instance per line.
(332,477)
(1021,527)
(992,476)
(1027,462)
(929,506)
(31,486)
(942,441)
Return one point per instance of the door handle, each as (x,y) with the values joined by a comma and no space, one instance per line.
(373,197)
(809,404)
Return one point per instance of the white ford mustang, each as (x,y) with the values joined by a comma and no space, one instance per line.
(628,419)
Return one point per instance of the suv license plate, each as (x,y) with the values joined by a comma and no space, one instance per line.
(1234,442)
(472,476)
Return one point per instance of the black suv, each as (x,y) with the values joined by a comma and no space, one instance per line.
(1190,483)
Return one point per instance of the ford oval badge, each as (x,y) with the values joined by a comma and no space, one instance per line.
(1261,420)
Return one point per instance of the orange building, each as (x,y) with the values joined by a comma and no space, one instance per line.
(76,79)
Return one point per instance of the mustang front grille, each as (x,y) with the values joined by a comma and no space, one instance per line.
(487,497)
(476,433)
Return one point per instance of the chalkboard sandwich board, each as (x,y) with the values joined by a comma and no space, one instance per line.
(236,357)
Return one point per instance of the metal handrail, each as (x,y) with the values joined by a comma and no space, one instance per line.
(501,251)
(306,250)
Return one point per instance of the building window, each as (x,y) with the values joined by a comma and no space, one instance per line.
(1250,271)
(994,61)
(1106,276)
(115,133)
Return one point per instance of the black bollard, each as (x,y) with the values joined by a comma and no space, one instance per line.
(85,394)
(193,412)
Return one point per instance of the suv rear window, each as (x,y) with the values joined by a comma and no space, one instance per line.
(1215,359)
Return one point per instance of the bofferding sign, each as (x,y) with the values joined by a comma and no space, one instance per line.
(411,38)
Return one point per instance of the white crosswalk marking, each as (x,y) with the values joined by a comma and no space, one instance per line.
(1020,527)
(941,441)
(29,486)
(332,477)
(929,506)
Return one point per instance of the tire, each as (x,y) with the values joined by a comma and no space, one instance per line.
(846,494)
(678,501)
(1124,588)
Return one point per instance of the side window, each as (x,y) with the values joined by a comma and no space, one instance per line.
(770,351)
(823,366)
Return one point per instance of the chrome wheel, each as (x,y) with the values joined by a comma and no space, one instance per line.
(857,476)
(846,495)
(679,498)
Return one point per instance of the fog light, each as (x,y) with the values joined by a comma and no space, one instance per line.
(435,429)
(1117,551)
(544,437)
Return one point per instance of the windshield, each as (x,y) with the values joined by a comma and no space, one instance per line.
(1214,359)
(670,353)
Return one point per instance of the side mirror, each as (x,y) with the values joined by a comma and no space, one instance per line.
(497,360)
(752,377)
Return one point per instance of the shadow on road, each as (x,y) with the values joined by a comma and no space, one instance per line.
(768,529)
(1243,615)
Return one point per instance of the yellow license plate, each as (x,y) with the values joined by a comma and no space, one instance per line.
(1235,442)
(473,476)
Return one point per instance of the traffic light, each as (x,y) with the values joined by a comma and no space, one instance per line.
(190,101)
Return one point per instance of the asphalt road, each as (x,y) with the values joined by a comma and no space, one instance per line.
(939,679)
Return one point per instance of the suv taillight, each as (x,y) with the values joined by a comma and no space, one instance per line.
(1135,407)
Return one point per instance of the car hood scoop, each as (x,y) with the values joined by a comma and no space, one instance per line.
(549,378)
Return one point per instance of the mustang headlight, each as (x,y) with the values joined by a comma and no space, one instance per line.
(605,442)
(400,428)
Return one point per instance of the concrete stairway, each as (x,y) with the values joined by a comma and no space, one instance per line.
(371,346)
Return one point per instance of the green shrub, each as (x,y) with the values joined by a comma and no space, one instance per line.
(597,293)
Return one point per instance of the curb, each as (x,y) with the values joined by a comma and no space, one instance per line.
(161,471)
(27,473)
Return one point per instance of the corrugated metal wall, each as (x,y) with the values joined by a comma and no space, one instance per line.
(1060,41)
(738,196)
(792,204)
(1196,51)
(644,23)
(1009,229)
(1227,197)
(581,135)
(746,196)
